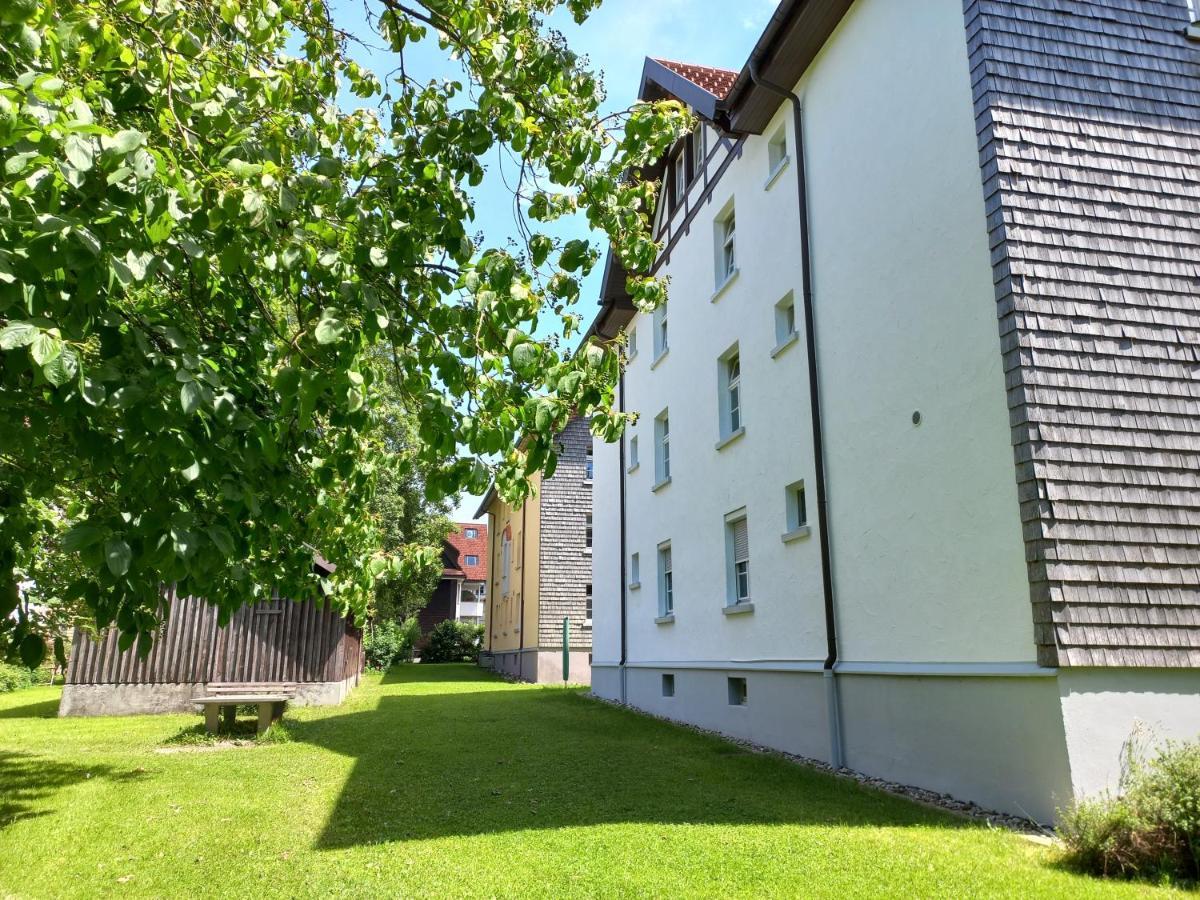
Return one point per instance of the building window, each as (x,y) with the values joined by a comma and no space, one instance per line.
(587,601)
(679,167)
(729,377)
(698,151)
(661,344)
(472,560)
(631,343)
(481,591)
(587,532)
(668,685)
(797,507)
(737,692)
(633,452)
(666,581)
(635,570)
(785,320)
(777,151)
(662,448)
(505,562)
(726,233)
(589,465)
(737,550)
(472,532)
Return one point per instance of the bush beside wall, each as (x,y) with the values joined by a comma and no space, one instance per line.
(1151,829)
(453,641)
(390,642)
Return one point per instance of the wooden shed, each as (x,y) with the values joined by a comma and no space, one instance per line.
(304,642)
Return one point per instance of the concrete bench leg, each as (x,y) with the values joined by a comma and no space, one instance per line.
(277,710)
(264,717)
(211,717)
(230,717)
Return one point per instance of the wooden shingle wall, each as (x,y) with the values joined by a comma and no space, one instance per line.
(280,640)
(1089,132)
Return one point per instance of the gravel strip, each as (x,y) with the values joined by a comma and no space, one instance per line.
(945,802)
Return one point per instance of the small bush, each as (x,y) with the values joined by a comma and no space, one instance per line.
(391,642)
(452,641)
(1151,829)
(14,678)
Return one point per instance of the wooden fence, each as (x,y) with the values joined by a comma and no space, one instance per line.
(281,640)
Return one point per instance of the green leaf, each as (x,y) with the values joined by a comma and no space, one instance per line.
(93,391)
(61,368)
(118,556)
(574,255)
(44,348)
(78,149)
(17,334)
(378,257)
(123,141)
(223,539)
(192,472)
(33,650)
(190,397)
(329,328)
(81,536)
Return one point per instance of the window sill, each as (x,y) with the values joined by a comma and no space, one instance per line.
(661,356)
(588,482)
(587,623)
(668,619)
(659,485)
(795,534)
(634,585)
(785,343)
(738,609)
(776,172)
(587,551)
(632,469)
(724,286)
(729,438)
(1192,32)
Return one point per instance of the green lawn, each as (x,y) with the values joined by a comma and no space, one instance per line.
(442,781)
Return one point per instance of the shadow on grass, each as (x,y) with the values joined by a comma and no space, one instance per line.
(42,709)
(27,779)
(436,762)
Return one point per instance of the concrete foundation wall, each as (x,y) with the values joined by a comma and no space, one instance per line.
(143,699)
(541,666)
(1102,709)
(995,740)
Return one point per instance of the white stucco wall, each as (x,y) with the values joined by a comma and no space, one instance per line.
(928,554)
(606,553)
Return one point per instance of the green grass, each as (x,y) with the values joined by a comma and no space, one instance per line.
(442,781)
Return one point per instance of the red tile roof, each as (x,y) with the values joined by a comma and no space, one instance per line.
(458,547)
(709,78)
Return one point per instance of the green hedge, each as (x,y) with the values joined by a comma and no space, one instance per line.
(390,642)
(453,641)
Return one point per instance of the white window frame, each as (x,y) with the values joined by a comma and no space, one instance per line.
(795,504)
(631,342)
(785,323)
(777,154)
(472,556)
(726,231)
(662,448)
(679,176)
(472,532)
(737,563)
(662,337)
(633,452)
(731,399)
(698,150)
(635,571)
(666,580)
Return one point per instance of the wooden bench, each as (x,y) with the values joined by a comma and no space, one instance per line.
(270,697)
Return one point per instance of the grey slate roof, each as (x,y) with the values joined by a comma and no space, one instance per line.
(1088,115)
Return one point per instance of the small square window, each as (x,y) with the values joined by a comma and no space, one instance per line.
(472,532)
(668,684)
(785,320)
(777,150)
(797,506)
(737,691)
(472,560)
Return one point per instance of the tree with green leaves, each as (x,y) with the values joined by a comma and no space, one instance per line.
(202,255)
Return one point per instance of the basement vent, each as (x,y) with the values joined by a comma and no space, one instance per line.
(737,691)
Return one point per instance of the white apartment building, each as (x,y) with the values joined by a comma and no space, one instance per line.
(913,483)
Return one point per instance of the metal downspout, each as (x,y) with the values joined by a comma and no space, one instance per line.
(621,477)
(833,704)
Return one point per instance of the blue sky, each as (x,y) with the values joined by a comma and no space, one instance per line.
(616,39)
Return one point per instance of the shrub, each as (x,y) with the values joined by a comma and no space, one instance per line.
(14,678)
(1152,828)
(390,642)
(452,641)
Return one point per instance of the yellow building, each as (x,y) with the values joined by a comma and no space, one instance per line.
(540,571)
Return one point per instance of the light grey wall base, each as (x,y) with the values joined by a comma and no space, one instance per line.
(1103,708)
(995,740)
(541,666)
(143,699)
